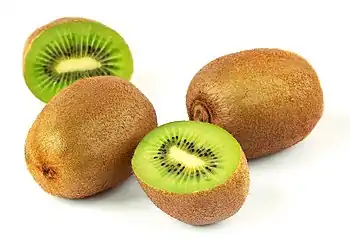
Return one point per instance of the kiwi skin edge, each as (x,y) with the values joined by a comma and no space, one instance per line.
(268,99)
(205,207)
(82,142)
(39,30)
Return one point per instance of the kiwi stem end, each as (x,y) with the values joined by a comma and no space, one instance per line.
(200,112)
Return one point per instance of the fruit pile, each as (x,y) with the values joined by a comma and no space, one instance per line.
(97,128)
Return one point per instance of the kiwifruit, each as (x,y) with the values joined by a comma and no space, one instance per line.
(195,172)
(83,140)
(68,49)
(268,99)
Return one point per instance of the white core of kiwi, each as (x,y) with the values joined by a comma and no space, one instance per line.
(77,64)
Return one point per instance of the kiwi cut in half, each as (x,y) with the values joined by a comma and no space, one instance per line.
(268,99)
(68,49)
(195,172)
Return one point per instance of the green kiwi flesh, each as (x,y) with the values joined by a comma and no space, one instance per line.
(71,50)
(184,157)
(195,172)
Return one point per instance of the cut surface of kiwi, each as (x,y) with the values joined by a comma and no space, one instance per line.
(185,157)
(195,172)
(69,49)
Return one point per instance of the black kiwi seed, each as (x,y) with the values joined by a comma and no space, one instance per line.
(177,168)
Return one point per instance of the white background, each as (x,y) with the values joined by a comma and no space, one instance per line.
(301,192)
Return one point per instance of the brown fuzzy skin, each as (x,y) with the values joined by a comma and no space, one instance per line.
(268,99)
(83,140)
(205,207)
(41,29)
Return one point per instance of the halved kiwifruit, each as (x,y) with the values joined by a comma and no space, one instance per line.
(68,49)
(195,172)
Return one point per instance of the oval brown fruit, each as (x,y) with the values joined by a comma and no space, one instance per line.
(83,140)
(268,99)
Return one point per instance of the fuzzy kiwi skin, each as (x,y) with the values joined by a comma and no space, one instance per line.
(268,99)
(205,207)
(83,140)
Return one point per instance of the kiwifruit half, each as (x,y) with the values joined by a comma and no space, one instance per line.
(193,171)
(268,99)
(68,49)
(83,140)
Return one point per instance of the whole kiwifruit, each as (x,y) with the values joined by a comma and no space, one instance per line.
(268,99)
(83,140)
(67,49)
(193,171)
